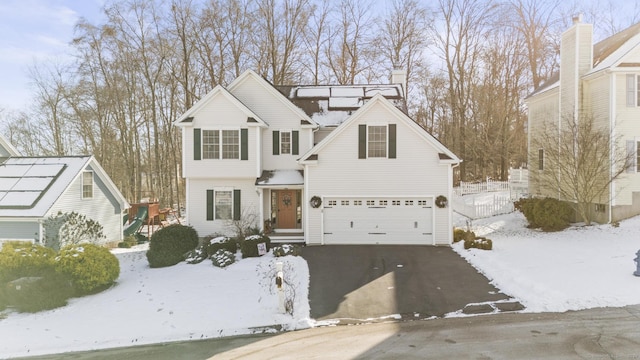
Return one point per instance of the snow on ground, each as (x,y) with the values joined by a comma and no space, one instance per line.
(175,303)
(579,268)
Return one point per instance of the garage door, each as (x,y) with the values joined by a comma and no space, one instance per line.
(378,220)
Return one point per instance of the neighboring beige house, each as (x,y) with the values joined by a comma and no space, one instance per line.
(601,81)
(334,164)
(35,188)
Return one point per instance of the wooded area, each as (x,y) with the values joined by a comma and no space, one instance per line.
(470,63)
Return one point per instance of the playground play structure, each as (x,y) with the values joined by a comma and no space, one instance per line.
(146,213)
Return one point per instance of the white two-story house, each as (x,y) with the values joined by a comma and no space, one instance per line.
(599,81)
(334,164)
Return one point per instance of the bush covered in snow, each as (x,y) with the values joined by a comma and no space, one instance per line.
(461,234)
(169,245)
(89,267)
(196,255)
(19,259)
(213,244)
(249,246)
(287,249)
(223,258)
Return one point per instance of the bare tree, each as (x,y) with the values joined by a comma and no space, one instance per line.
(577,160)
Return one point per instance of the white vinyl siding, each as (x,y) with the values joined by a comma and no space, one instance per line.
(101,208)
(422,174)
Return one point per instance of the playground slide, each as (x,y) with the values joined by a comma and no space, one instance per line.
(137,221)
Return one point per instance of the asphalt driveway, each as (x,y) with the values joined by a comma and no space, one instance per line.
(359,282)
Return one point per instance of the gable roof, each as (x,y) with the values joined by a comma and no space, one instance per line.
(445,155)
(30,186)
(271,89)
(606,54)
(6,146)
(187,118)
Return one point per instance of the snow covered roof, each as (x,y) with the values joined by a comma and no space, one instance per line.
(29,186)
(280,177)
(331,105)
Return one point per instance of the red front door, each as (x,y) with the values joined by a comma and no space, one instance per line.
(287,204)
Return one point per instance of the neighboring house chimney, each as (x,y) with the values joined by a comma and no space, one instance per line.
(576,59)
(399,76)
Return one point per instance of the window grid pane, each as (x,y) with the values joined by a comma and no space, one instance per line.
(87,185)
(224,203)
(377,144)
(230,144)
(637,91)
(210,144)
(285,142)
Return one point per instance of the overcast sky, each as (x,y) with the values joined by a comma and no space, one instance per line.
(35,30)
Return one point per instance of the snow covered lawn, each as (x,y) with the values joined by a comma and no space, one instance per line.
(175,303)
(579,268)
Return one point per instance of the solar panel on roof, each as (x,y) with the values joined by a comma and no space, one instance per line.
(32,183)
(7,184)
(44,170)
(20,198)
(13,170)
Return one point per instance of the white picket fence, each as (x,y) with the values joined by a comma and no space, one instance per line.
(490,198)
(478,207)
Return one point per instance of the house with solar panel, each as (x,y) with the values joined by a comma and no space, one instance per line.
(316,164)
(33,189)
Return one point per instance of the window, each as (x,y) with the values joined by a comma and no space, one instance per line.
(285,142)
(422,202)
(601,208)
(540,159)
(408,202)
(344,202)
(371,202)
(230,144)
(383,202)
(357,202)
(87,185)
(332,203)
(210,144)
(218,144)
(377,141)
(223,205)
(395,202)
(633,90)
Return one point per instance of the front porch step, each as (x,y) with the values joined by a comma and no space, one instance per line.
(280,237)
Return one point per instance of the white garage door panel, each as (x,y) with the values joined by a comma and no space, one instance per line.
(383,221)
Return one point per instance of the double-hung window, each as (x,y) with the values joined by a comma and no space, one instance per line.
(285,142)
(220,144)
(223,205)
(633,156)
(87,184)
(633,90)
(377,141)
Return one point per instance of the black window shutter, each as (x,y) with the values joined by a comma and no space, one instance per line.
(236,205)
(209,205)
(392,141)
(197,147)
(244,144)
(362,141)
(295,140)
(276,143)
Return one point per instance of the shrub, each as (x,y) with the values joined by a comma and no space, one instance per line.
(89,267)
(220,242)
(249,245)
(128,242)
(461,234)
(478,243)
(287,249)
(23,259)
(551,214)
(169,245)
(526,206)
(37,293)
(196,255)
(223,258)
